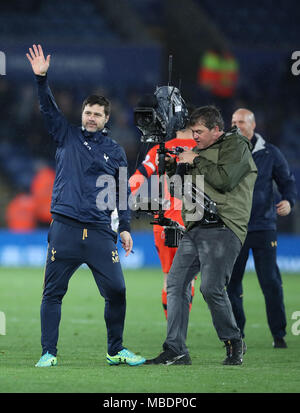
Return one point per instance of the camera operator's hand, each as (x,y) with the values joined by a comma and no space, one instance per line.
(168,159)
(187,157)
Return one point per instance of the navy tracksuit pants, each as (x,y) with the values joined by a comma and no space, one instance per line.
(264,246)
(71,244)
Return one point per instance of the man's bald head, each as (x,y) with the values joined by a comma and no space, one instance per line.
(244,119)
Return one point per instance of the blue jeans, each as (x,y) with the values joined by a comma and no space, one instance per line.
(212,251)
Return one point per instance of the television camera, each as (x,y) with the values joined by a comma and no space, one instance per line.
(159,117)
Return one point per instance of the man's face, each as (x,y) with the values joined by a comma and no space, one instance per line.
(244,121)
(93,118)
(203,136)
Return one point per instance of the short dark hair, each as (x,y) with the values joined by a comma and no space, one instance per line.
(97,100)
(210,116)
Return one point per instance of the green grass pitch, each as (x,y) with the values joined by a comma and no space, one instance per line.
(82,366)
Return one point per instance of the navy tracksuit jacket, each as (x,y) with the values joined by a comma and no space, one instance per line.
(272,166)
(81,158)
(262,236)
(81,229)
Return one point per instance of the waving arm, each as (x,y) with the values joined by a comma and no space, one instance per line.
(36,57)
(55,121)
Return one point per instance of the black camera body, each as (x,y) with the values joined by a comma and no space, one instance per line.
(161,115)
(172,236)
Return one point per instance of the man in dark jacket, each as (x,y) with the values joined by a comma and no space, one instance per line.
(262,234)
(90,178)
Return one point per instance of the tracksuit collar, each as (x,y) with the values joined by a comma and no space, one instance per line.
(259,144)
(93,136)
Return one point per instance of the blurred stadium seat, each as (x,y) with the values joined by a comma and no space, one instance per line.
(77,20)
(150,11)
(263,24)
(17,165)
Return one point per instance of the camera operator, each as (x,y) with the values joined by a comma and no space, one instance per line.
(225,161)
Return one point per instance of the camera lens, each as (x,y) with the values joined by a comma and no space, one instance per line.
(143,119)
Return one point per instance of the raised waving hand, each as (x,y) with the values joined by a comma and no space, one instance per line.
(39,64)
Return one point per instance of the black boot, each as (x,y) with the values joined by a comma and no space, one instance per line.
(279,343)
(228,351)
(234,352)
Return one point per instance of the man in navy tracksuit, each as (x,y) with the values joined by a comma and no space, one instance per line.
(262,234)
(89,183)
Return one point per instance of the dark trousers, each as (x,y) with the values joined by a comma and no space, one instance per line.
(263,245)
(69,247)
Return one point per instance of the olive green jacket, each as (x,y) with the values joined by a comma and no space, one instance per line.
(229,177)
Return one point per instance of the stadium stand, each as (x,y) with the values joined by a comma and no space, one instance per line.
(264,24)
(75,20)
(260,46)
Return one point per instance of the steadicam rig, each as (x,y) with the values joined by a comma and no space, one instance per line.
(159,117)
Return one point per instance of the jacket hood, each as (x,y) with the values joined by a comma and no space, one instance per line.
(235,130)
